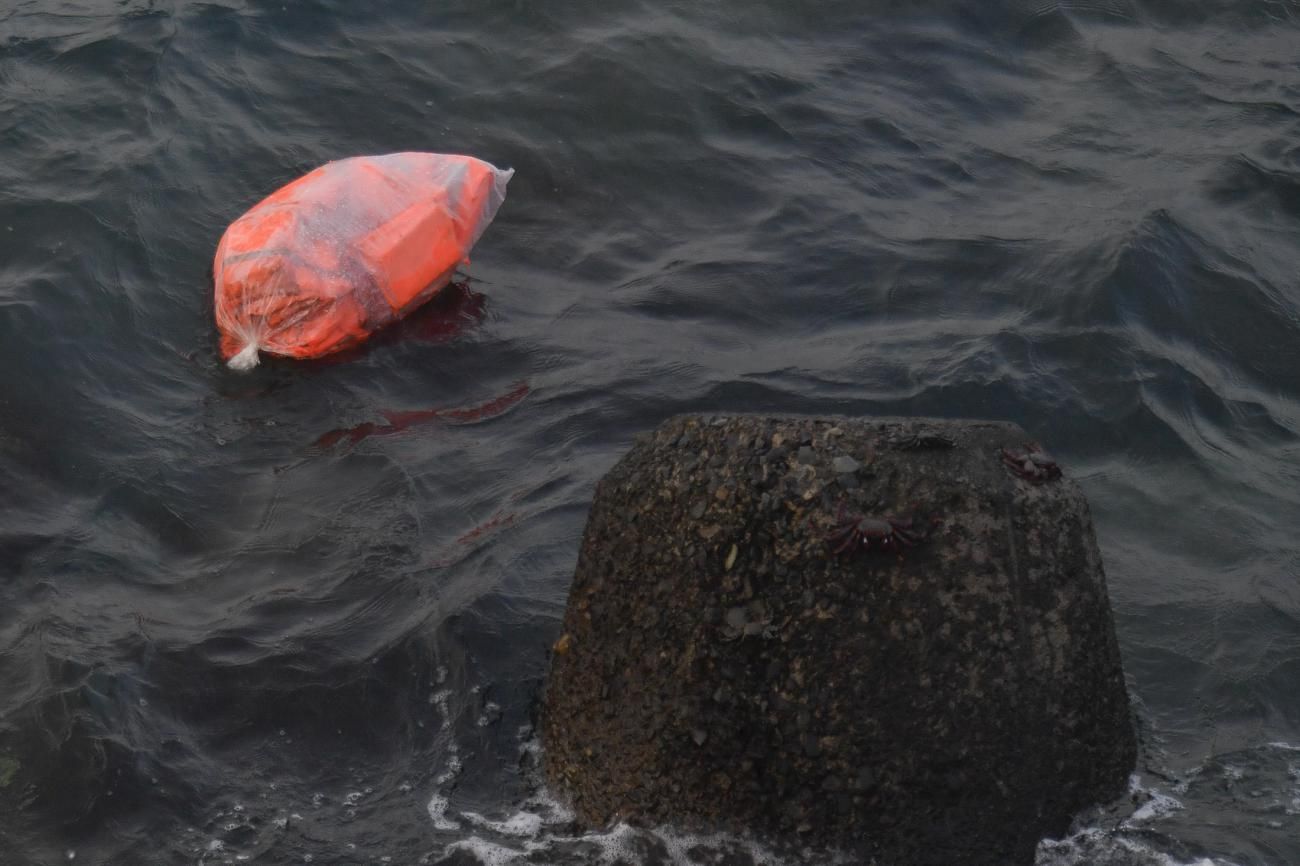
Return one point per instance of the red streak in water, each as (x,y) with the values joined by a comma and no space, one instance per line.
(400,421)
(501,518)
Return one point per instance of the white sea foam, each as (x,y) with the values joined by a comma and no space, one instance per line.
(439,803)
(542,830)
(1095,846)
(623,844)
(544,824)
(518,824)
(1159,806)
(487,853)
(1099,846)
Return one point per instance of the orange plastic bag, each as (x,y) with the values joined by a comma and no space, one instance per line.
(323,262)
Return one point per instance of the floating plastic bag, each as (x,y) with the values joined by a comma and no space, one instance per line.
(322,263)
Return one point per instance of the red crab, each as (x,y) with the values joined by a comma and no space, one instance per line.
(892,534)
(1031,463)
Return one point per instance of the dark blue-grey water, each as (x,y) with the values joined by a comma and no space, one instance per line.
(236,628)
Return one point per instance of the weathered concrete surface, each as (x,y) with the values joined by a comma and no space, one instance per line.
(720,665)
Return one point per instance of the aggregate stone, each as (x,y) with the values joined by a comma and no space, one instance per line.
(721,666)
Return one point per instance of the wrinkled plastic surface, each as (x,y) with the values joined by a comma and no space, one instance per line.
(325,261)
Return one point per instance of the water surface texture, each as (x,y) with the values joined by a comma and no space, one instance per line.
(304,612)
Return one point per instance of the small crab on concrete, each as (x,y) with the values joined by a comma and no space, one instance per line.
(860,532)
(1031,463)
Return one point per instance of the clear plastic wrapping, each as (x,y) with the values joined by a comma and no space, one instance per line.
(325,261)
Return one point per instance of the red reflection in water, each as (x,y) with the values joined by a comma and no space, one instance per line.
(467,542)
(496,521)
(448,314)
(399,421)
(477,537)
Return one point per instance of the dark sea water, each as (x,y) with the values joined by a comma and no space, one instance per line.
(237,624)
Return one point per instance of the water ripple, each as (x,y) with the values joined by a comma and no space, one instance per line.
(1080,216)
